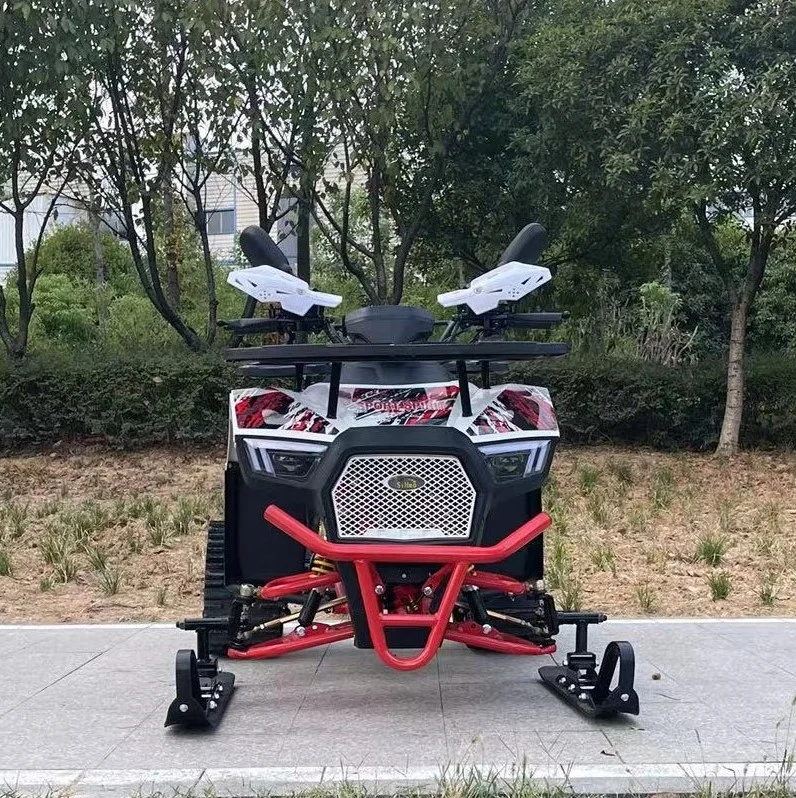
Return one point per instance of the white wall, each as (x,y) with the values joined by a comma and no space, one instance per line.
(224,192)
(8,253)
(67,213)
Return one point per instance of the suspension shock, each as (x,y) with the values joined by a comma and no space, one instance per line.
(320,565)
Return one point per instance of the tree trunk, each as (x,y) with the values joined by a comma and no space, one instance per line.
(171,236)
(258,172)
(303,237)
(200,222)
(733,409)
(96,240)
(101,276)
(25,300)
(99,255)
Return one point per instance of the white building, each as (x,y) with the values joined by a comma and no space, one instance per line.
(230,207)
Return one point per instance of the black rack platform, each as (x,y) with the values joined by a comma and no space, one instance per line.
(482,351)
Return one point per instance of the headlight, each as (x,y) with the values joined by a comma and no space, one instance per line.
(515,459)
(283,458)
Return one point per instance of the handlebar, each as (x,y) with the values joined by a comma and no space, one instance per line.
(534,321)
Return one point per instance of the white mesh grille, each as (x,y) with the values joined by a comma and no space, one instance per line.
(440,506)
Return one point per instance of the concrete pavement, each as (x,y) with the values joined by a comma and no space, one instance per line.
(83,708)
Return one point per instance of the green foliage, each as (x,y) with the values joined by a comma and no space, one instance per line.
(659,338)
(423,280)
(711,548)
(680,108)
(145,400)
(74,314)
(69,251)
(46,96)
(647,597)
(157,399)
(66,311)
(773,325)
(132,319)
(397,111)
(6,568)
(642,324)
(662,487)
(720,585)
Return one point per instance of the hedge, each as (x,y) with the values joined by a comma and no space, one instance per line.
(184,399)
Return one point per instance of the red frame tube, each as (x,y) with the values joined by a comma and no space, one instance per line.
(471,634)
(378,621)
(298,583)
(319,634)
(489,581)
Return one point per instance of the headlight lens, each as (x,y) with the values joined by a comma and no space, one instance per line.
(283,458)
(515,459)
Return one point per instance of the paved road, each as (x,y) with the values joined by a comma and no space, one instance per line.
(83,707)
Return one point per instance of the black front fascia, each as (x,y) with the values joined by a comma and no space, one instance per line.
(316,488)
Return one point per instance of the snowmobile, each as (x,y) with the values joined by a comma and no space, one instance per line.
(380,489)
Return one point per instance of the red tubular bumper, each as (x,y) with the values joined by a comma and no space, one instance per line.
(458,558)
(406,552)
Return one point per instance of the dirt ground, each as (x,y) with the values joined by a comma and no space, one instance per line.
(105,535)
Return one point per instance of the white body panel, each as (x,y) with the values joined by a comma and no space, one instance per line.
(281,413)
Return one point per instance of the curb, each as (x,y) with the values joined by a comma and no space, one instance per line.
(635,779)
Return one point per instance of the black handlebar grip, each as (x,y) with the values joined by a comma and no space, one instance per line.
(534,321)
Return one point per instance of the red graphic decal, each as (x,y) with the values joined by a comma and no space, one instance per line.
(530,411)
(253,412)
(306,421)
(515,410)
(404,406)
(492,421)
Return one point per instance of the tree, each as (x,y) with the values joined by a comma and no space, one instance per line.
(503,175)
(157,81)
(682,104)
(404,82)
(44,94)
(277,54)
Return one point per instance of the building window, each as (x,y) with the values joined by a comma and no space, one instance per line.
(221,222)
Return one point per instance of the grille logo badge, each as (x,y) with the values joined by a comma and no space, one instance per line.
(405,482)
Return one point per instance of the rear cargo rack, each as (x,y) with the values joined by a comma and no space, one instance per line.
(300,355)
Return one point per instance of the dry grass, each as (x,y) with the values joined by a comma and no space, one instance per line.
(675,534)
(107,536)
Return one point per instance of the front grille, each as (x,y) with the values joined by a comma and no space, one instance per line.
(403,497)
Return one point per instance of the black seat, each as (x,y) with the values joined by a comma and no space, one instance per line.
(391,324)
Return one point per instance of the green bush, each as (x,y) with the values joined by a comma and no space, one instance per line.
(133,317)
(184,399)
(66,311)
(132,401)
(69,251)
(667,407)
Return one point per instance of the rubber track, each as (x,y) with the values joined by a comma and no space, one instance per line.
(217,596)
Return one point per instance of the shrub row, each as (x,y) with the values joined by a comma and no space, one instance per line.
(668,408)
(184,399)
